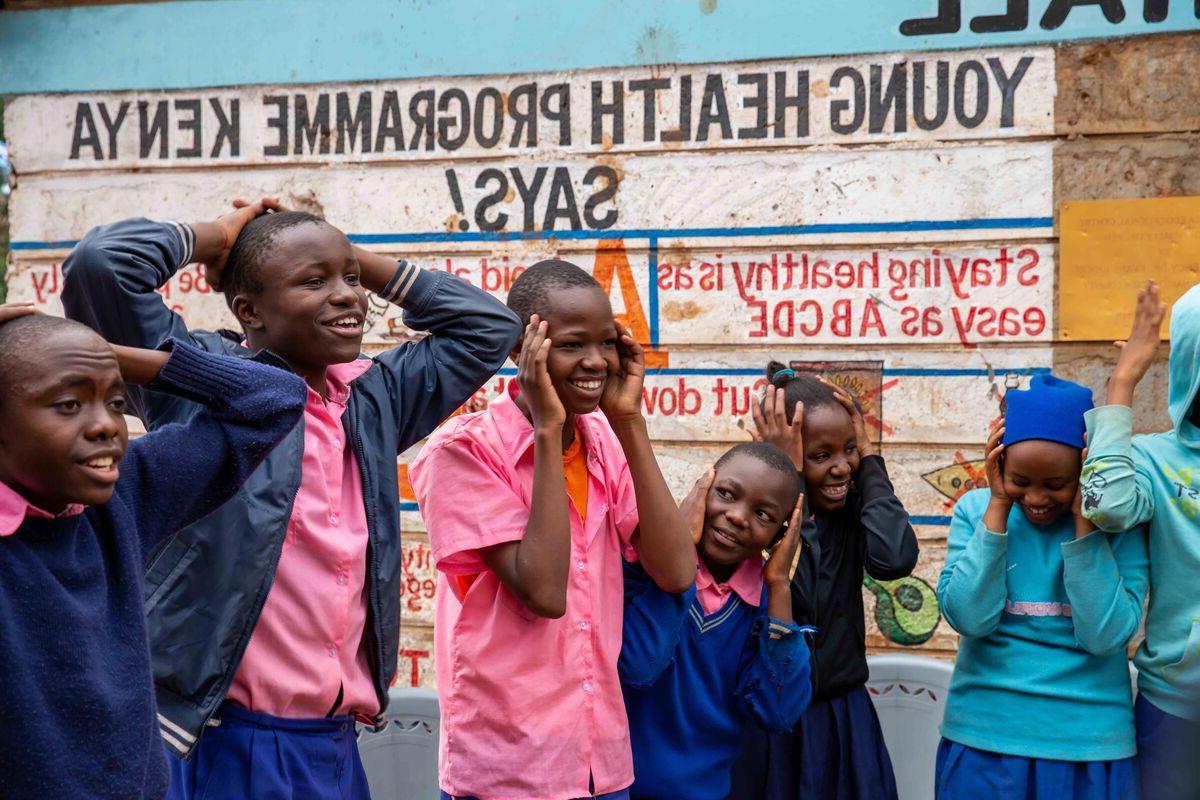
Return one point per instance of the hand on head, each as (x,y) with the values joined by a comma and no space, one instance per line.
(993,465)
(230,225)
(13,310)
(694,507)
(622,398)
(866,447)
(545,408)
(771,425)
(785,554)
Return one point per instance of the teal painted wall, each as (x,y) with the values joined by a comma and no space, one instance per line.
(193,44)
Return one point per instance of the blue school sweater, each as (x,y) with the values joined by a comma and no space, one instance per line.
(1155,479)
(692,681)
(77,711)
(1041,670)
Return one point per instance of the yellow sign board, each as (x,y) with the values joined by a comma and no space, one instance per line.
(1108,249)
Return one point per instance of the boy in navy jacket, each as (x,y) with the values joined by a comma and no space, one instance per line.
(280,611)
(696,667)
(81,512)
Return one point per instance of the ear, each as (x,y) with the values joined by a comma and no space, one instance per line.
(246,311)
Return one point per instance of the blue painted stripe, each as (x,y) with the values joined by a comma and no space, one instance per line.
(408,506)
(918,519)
(653,234)
(904,372)
(236,42)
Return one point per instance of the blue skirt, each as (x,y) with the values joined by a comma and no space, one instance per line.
(835,752)
(964,773)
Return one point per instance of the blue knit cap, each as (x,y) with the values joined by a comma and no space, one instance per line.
(1050,409)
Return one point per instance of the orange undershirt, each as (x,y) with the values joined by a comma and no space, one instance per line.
(575,469)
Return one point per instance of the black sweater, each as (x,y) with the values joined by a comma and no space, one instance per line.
(870,532)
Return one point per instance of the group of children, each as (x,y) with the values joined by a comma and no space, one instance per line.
(228,585)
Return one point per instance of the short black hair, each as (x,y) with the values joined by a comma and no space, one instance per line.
(532,287)
(253,246)
(768,454)
(799,388)
(19,343)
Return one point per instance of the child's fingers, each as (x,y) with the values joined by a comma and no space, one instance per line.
(760,419)
(779,412)
(798,417)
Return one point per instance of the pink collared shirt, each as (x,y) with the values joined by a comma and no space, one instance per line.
(14,509)
(746,582)
(308,643)
(531,707)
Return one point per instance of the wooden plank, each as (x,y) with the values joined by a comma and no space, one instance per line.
(1142,85)
(415,663)
(936,96)
(973,192)
(903,615)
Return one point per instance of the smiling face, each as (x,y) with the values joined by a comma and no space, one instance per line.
(746,508)
(312,305)
(62,428)
(830,456)
(584,351)
(1041,477)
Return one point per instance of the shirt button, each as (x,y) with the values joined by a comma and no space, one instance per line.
(341,579)
(333,518)
(337,442)
(581,564)
(587,687)
(583,625)
(332,651)
(603,507)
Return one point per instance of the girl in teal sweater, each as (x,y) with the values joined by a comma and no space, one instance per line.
(1155,479)
(1040,704)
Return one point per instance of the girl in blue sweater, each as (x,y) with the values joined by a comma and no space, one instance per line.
(695,666)
(1040,705)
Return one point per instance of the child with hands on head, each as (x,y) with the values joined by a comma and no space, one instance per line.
(728,644)
(1040,706)
(280,612)
(82,511)
(1151,480)
(836,751)
(532,506)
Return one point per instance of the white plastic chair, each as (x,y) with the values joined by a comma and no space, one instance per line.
(401,761)
(909,693)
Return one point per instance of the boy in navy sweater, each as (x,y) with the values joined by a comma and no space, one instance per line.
(81,512)
(695,667)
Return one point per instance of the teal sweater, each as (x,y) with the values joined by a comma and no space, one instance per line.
(1041,669)
(1155,479)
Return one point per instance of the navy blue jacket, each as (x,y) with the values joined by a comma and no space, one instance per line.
(76,700)
(206,586)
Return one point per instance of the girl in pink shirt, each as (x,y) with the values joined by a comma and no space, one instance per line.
(530,597)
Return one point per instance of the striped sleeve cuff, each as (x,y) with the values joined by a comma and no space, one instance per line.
(401,283)
(188,237)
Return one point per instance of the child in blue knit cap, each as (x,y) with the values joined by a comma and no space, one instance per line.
(1040,705)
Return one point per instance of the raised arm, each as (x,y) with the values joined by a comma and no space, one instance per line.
(972,588)
(180,472)
(1117,495)
(111,278)
(662,540)
(773,680)
(535,568)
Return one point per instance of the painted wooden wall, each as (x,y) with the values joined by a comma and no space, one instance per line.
(888,219)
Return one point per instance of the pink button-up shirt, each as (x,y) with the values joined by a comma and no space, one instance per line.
(531,707)
(746,582)
(308,643)
(14,509)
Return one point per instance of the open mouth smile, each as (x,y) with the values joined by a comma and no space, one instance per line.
(589,387)
(104,468)
(836,491)
(349,324)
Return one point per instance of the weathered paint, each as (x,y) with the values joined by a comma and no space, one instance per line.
(931,97)
(696,225)
(188,44)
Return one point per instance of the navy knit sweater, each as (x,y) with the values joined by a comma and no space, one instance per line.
(691,682)
(77,712)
